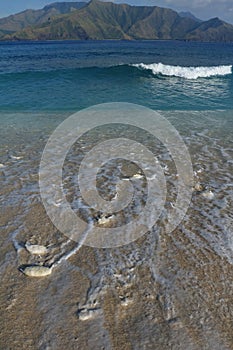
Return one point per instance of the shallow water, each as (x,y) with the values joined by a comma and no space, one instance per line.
(162,291)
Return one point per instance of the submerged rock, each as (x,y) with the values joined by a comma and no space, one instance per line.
(36,249)
(208,194)
(36,271)
(104,219)
(199,187)
(86,314)
(138,176)
(16,157)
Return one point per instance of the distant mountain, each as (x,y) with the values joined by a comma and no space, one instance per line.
(213,30)
(27,18)
(65,7)
(105,20)
(189,15)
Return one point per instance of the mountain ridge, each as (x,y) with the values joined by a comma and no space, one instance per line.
(98,20)
(23,19)
(189,15)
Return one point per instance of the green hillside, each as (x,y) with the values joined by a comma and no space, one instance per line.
(27,18)
(106,20)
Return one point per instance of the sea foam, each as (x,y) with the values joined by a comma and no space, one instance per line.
(185,72)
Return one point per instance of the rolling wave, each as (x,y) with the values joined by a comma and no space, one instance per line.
(185,72)
(123,70)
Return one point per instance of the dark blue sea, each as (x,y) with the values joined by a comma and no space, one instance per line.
(55,76)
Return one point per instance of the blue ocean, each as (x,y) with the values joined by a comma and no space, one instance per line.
(55,76)
(167,289)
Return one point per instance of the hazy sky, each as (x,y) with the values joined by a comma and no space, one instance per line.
(203,9)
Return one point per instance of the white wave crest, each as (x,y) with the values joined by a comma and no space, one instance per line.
(185,72)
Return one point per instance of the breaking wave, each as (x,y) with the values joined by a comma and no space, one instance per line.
(185,72)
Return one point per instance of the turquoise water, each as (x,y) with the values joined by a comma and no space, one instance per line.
(69,76)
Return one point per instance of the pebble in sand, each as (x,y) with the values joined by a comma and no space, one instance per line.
(208,194)
(36,249)
(16,157)
(36,271)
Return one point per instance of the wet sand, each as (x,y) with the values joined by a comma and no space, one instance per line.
(163,291)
